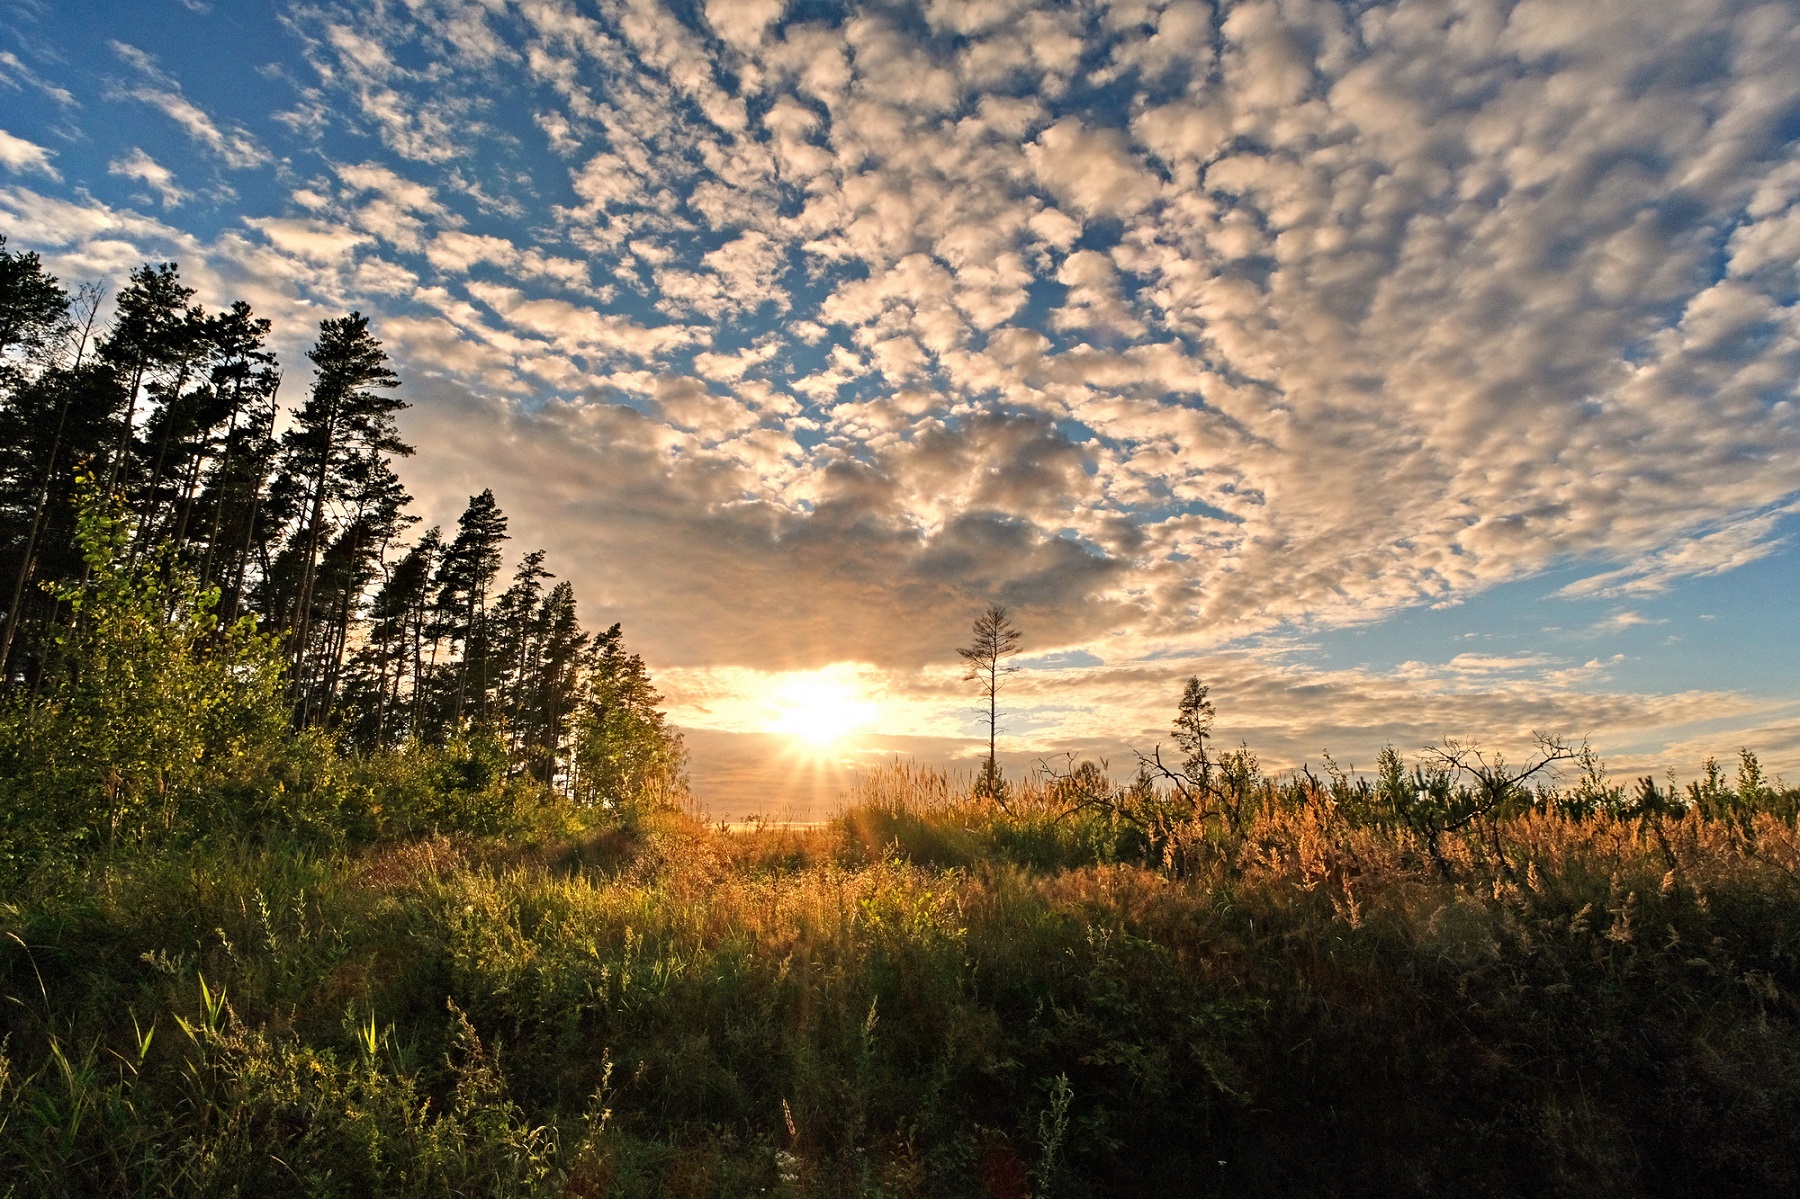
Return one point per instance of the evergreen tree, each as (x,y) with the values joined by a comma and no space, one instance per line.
(33,308)
(334,456)
(32,304)
(516,640)
(244,381)
(175,413)
(176,423)
(555,689)
(465,577)
(150,325)
(387,673)
(995,640)
(625,754)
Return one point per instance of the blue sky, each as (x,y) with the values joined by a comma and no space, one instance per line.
(1407,370)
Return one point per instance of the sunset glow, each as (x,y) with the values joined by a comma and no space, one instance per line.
(819,707)
(1351,358)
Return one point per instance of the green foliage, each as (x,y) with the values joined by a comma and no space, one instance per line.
(200,1118)
(626,757)
(152,709)
(1193,727)
(389,648)
(239,960)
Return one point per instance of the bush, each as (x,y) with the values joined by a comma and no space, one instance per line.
(152,709)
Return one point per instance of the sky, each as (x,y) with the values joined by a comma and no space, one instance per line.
(1404,370)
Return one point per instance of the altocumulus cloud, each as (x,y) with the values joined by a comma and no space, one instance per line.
(1170,324)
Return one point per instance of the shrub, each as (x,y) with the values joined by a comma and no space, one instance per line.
(152,707)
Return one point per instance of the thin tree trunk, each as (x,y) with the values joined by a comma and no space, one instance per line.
(993,721)
(173,408)
(462,673)
(256,495)
(124,447)
(187,497)
(302,623)
(93,294)
(341,635)
(28,562)
(212,538)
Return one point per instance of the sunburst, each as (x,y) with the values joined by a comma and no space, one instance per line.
(819,707)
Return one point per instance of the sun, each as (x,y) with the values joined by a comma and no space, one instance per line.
(819,707)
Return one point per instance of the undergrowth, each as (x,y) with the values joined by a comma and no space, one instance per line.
(931,995)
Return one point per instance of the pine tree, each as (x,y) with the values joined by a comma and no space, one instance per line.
(33,307)
(625,754)
(244,382)
(556,689)
(465,577)
(175,423)
(340,439)
(995,640)
(32,303)
(152,312)
(296,528)
(517,639)
(373,515)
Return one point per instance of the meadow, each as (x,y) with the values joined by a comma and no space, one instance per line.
(1070,988)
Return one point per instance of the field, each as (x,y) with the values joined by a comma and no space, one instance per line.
(1071,992)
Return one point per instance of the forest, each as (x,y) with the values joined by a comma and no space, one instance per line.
(153,496)
(335,860)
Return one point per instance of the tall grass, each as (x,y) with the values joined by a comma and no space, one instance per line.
(932,995)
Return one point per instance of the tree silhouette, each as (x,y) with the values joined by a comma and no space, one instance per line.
(995,640)
(464,577)
(171,414)
(338,445)
(32,302)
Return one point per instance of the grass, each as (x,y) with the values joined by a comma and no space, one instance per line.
(932,995)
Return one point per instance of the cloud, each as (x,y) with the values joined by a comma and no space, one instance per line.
(152,174)
(743,23)
(234,145)
(1620,621)
(15,73)
(1336,319)
(1176,325)
(318,242)
(418,114)
(1708,553)
(1289,715)
(22,157)
(390,206)
(579,328)
(1091,170)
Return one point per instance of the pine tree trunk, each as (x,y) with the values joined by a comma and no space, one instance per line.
(28,561)
(302,623)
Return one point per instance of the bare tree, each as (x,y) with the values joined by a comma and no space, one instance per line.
(1193,780)
(996,639)
(1495,783)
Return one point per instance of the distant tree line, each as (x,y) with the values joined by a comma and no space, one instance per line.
(294,516)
